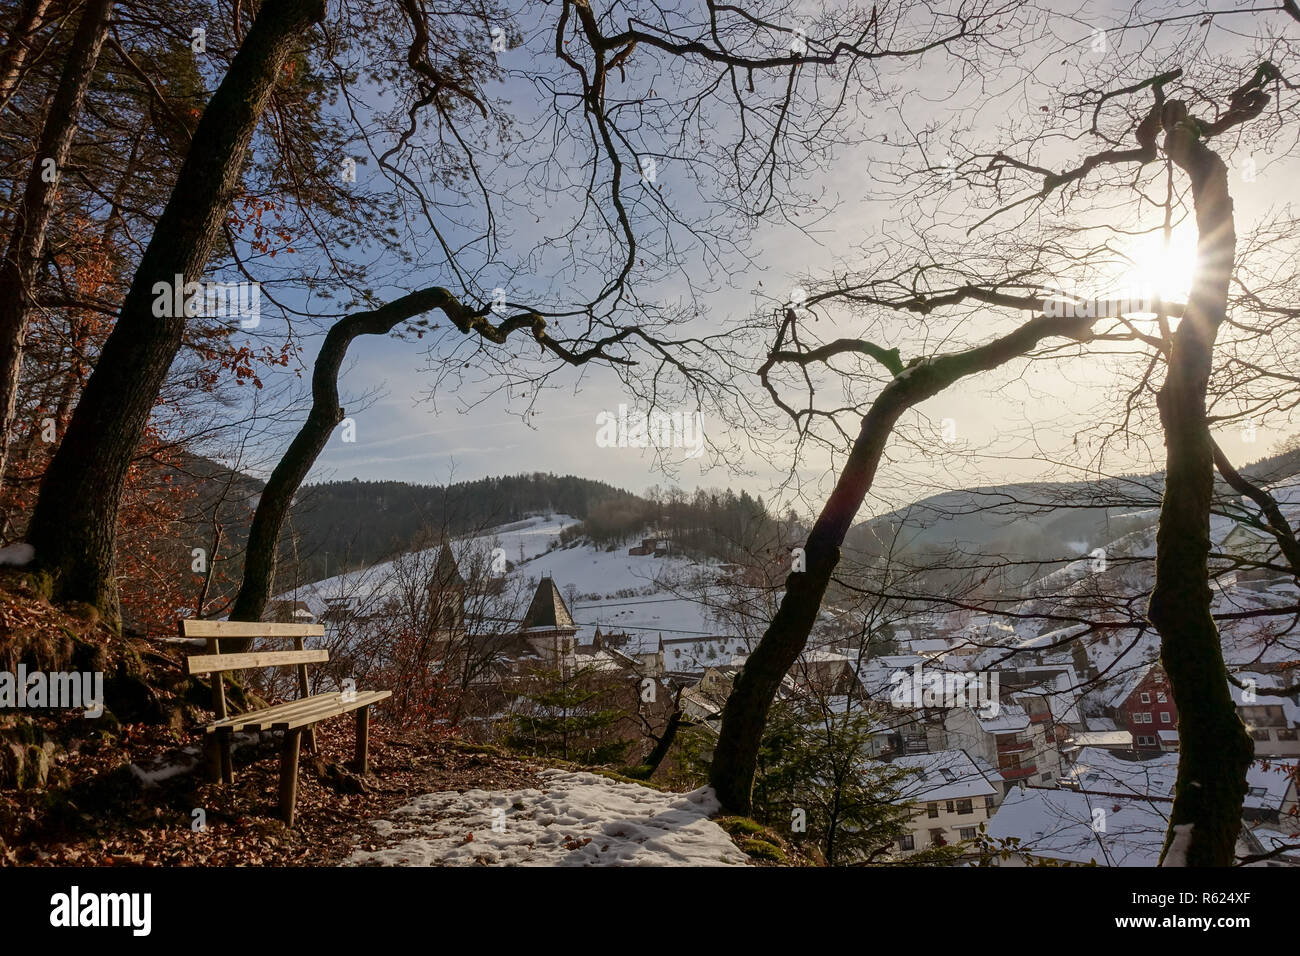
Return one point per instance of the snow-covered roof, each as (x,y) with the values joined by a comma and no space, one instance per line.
(1119,688)
(1099,771)
(1009,718)
(1268,782)
(945,775)
(1081,827)
(1110,739)
(1259,686)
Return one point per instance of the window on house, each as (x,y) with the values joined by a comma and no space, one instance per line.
(1288,733)
(1046,777)
(988,802)
(1165,718)
(966,833)
(965,807)
(1259,791)
(1162,697)
(1260,733)
(948,806)
(907,842)
(932,810)
(1146,741)
(1146,698)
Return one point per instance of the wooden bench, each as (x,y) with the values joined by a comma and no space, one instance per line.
(296,717)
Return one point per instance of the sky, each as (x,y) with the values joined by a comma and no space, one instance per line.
(399,434)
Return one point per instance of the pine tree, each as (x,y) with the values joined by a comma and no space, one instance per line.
(565,714)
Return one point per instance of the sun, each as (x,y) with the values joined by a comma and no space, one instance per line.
(1166,271)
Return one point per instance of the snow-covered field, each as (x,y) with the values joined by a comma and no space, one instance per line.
(576,819)
(658,598)
(521,540)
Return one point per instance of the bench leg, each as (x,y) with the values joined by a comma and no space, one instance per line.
(362,761)
(227,765)
(289,774)
(212,757)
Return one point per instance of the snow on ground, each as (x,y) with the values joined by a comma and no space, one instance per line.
(578,819)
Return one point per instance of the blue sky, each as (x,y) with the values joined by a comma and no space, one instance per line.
(1011,425)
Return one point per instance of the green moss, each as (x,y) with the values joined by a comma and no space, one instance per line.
(621,778)
(467,748)
(42,583)
(762,850)
(737,825)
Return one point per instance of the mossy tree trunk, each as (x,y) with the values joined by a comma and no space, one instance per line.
(1214,748)
(74,525)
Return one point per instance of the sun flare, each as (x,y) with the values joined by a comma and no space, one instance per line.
(1157,270)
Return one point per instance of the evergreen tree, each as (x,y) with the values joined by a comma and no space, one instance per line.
(568,714)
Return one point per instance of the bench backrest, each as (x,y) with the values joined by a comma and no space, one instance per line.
(216,663)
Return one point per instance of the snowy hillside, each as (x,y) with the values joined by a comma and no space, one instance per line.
(520,540)
(644,596)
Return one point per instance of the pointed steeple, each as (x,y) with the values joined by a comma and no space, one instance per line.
(445,572)
(547,611)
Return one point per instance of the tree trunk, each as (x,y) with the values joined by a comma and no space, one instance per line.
(1214,748)
(74,526)
(18,47)
(662,745)
(745,713)
(262,551)
(32,219)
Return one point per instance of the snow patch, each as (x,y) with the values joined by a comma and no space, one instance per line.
(17,555)
(578,819)
(1178,846)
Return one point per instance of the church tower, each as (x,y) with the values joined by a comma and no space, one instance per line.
(548,626)
(446,608)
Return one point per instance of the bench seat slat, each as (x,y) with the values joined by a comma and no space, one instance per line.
(267,715)
(239,630)
(210,663)
(299,713)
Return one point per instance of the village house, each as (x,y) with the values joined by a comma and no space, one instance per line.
(1139,700)
(1016,746)
(1270,794)
(950,795)
(658,547)
(1273,721)
(289,612)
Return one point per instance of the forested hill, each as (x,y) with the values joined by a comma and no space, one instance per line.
(1038,521)
(357,523)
